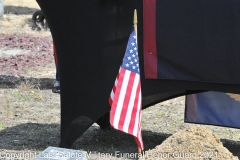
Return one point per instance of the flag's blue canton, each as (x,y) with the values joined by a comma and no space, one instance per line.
(130,60)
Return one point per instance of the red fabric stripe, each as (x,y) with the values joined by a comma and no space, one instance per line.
(116,94)
(134,111)
(126,100)
(149,39)
(55,54)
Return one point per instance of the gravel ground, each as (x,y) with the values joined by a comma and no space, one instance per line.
(38,52)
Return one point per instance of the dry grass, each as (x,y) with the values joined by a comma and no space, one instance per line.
(30,122)
(48,71)
(26,86)
(29,119)
(22,3)
(27,90)
(26,101)
(19,25)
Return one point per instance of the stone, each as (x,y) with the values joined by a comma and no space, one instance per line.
(12,52)
(55,153)
(1,8)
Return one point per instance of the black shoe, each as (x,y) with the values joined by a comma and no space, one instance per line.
(56,89)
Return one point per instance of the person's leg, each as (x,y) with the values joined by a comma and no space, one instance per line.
(57,74)
(57,83)
(56,86)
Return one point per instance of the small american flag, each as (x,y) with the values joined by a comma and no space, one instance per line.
(125,98)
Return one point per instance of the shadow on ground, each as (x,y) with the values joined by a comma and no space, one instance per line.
(19,10)
(33,136)
(13,82)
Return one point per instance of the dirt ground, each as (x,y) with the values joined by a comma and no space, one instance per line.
(30,112)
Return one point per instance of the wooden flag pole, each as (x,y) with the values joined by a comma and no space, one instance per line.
(139,150)
(135,21)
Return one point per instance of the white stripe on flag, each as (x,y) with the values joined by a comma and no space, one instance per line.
(131,103)
(112,93)
(121,99)
(135,130)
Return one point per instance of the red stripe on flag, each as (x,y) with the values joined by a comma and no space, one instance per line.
(139,140)
(116,94)
(134,111)
(110,100)
(126,100)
